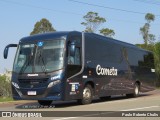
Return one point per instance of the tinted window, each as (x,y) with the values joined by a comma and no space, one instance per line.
(140,58)
(103,50)
(75,60)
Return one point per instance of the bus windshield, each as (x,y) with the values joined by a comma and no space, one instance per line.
(43,56)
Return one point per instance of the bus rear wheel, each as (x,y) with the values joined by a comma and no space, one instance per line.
(136,91)
(45,102)
(87,95)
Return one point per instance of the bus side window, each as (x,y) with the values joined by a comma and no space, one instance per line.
(74,63)
(74,60)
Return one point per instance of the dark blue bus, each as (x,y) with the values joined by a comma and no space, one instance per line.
(78,66)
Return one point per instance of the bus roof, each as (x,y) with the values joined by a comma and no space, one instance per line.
(46,36)
(128,45)
(51,35)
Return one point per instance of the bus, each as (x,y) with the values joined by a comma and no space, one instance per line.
(72,65)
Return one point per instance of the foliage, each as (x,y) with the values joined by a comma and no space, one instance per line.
(147,37)
(149,43)
(151,38)
(155,48)
(107,32)
(144,31)
(157,61)
(149,17)
(5,87)
(92,21)
(42,26)
(150,47)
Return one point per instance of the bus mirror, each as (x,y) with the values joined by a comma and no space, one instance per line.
(5,53)
(72,48)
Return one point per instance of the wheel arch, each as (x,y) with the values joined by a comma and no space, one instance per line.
(138,82)
(92,84)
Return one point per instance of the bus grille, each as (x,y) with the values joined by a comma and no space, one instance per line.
(26,83)
(44,80)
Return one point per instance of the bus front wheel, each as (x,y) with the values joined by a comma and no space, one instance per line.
(87,95)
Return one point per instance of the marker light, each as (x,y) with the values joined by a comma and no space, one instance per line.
(53,83)
(15,85)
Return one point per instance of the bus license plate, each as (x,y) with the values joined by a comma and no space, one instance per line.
(32,93)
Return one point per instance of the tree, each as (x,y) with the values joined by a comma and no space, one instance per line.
(157,61)
(154,47)
(152,38)
(148,38)
(107,32)
(150,47)
(42,26)
(92,21)
(145,31)
(149,17)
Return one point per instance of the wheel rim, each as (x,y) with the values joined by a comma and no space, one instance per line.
(87,93)
(136,90)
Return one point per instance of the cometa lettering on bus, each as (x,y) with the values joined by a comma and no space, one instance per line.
(106,71)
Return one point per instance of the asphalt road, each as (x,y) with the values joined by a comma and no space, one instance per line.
(147,104)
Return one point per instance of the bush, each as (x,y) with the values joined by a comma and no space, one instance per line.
(5,87)
(157,61)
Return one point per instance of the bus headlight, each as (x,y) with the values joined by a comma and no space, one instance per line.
(54,83)
(15,85)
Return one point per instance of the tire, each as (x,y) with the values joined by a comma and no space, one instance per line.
(136,91)
(87,95)
(45,102)
(105,98)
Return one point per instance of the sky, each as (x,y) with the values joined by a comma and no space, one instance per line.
(125,17)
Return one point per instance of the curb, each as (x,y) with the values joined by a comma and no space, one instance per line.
(19,101)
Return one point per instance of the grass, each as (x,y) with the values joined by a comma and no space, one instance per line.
(5,99)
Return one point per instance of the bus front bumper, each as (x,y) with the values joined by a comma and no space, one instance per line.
(46,93)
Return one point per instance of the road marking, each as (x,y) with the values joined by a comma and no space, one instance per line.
(140,108)
(66,118)
(105,113)
(116,101)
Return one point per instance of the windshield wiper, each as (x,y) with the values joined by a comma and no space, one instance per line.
(26,64)
(43,63)
(28,61)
